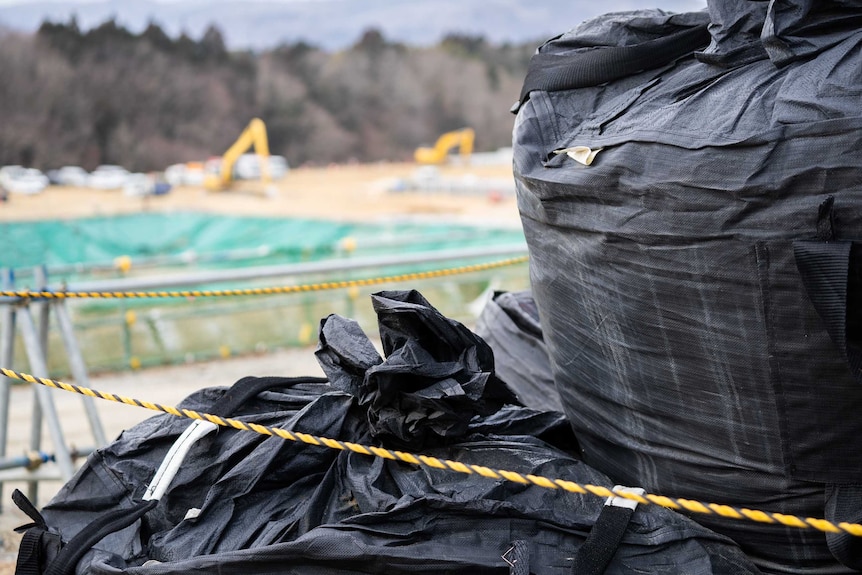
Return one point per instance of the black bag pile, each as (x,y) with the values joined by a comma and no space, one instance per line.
(243,503)
(691,190)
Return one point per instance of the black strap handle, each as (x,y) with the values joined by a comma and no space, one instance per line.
(596,553)
(553,72)
(38,545)
(30,554)
(68,558)
(25,505)
(831,271)
(250,386)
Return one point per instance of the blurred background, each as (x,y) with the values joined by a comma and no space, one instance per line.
(145,84)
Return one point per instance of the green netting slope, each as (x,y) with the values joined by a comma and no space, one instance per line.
(213,239)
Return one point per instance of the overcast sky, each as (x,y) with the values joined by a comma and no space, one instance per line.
(259,24)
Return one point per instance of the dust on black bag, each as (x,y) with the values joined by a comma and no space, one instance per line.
(243,503)
(693,223)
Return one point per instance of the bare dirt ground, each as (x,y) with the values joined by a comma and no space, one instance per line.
(354,193)
(345,193)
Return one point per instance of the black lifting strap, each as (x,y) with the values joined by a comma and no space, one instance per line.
(555,72)
(249,387)
(38,544)
(831,271)
(67,559)
(596,553)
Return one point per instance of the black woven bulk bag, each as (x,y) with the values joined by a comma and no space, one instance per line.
(170,497)
(692,201)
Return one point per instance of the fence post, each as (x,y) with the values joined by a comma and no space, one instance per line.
(7,354)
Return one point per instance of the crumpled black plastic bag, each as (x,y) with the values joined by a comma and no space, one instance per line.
(348,357)
(436,377)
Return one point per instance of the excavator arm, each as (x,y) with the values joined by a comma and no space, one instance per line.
(463,139)
(253,135)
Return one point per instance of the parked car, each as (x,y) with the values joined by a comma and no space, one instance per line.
(20,180)
(108,177)
(277,167)
(248,167)
(138,185)
(188,174)
(68,176)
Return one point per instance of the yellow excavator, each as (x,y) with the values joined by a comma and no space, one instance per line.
(463,139)
(222,175)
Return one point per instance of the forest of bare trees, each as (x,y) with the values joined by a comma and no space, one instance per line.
(145,100)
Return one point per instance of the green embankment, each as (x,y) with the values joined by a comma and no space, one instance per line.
(117,334)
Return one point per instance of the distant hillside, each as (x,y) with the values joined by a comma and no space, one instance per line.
(147,100)
(333,24)
(334,80)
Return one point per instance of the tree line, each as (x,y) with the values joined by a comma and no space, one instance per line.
(146,100)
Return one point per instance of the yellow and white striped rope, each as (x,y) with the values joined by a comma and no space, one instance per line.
(301,288)
(678,504)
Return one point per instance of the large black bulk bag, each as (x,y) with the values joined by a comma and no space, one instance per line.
(242,503)
(693,220)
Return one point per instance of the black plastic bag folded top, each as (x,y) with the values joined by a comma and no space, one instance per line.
(694,232)
(436,377)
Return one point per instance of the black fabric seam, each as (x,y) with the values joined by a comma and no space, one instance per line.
(763,264)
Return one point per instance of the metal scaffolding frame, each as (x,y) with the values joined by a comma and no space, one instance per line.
(31,318)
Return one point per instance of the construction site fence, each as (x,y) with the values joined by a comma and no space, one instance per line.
(133,333)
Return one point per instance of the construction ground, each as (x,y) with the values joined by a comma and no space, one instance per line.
(346,193)
(363,192)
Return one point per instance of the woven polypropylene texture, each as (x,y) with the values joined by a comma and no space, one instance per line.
(685,347)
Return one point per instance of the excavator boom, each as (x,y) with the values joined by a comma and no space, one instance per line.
(437,155)
(253,135)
